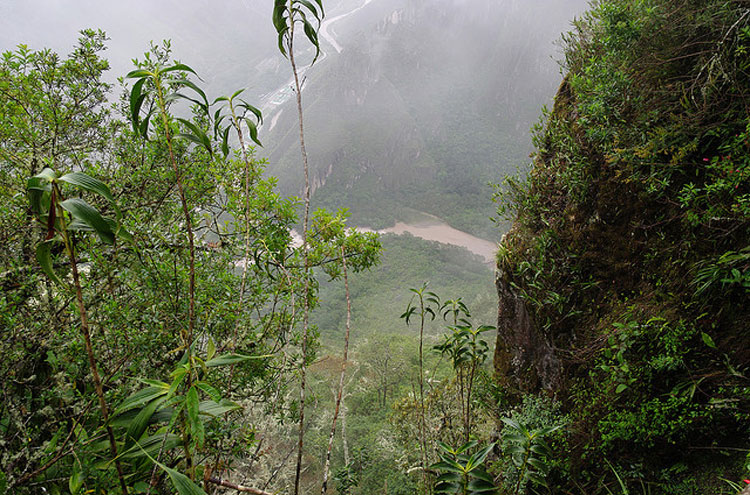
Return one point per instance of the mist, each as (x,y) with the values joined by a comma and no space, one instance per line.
(413,106)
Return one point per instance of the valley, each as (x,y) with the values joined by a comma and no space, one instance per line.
(525,266)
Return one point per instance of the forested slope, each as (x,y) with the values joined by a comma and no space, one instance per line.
(624,280)
(425,105)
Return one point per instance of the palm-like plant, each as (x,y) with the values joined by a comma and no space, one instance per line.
(467,352)
(529,453)
(462,473)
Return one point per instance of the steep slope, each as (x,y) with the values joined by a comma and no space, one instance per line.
(425,105)
(625,278)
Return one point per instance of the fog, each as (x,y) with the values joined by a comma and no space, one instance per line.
(414,104)
(226,40)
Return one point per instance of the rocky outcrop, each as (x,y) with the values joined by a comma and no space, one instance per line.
(524,360)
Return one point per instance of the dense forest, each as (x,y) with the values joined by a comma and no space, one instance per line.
(174,320)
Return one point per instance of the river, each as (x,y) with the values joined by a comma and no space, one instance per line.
(433,228)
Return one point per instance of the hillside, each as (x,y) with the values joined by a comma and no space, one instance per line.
(625,278)
(409,116)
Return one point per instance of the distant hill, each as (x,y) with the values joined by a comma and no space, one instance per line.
(425,105)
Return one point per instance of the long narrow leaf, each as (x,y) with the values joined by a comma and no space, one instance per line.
(88,183)
(88,215)
(137,98)
(227,359)
(140,398)
(182,483)
(44,257)
(180,67)
(138,73)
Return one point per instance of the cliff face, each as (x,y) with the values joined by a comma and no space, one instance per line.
(624,282)
(524,359)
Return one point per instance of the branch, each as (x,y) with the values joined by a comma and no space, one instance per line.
(239,488)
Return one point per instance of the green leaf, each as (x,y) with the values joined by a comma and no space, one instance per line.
(447,465)
(143,128)
(511,423)
(88,183)
(138,73)
(192,405)
(190,84)
(198,136)
(36,188)
(180,67)
(481,486)
(448,488)
(310,7)
(75,482)
(237,93)
(193,412)
(210,348)
(481,474)
(211,408)
(152,445)
(708,340)
(140,398)
(538,465)
(479,457)
(312,35)
(182,483)
(86,214)
(258,114)
(140,487)
(209,390)
(140,422)
(228,359)
(536,478)
(137,97)
(253,130)
(44,257)
(620,388)
(201,104)
(449,477)
(225,144)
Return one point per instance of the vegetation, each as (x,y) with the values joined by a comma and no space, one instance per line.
(629,245)
(156,298)
(164,333)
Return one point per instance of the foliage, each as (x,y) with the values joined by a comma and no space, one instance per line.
(630,237)
(182,231)
(346,479)
(461,472)
(528,452)
(467,352)
(533,443)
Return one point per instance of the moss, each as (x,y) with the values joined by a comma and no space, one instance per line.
(607,247)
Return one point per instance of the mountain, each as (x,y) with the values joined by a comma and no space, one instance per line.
(425,104)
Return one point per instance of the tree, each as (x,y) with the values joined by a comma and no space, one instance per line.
(287,14)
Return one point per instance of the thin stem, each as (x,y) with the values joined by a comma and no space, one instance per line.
(246,255)
(305,253)
(341,377)
(422,425)
(188,337)
(90,350)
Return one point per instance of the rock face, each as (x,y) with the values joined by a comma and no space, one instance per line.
(614,283)
(524,358)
